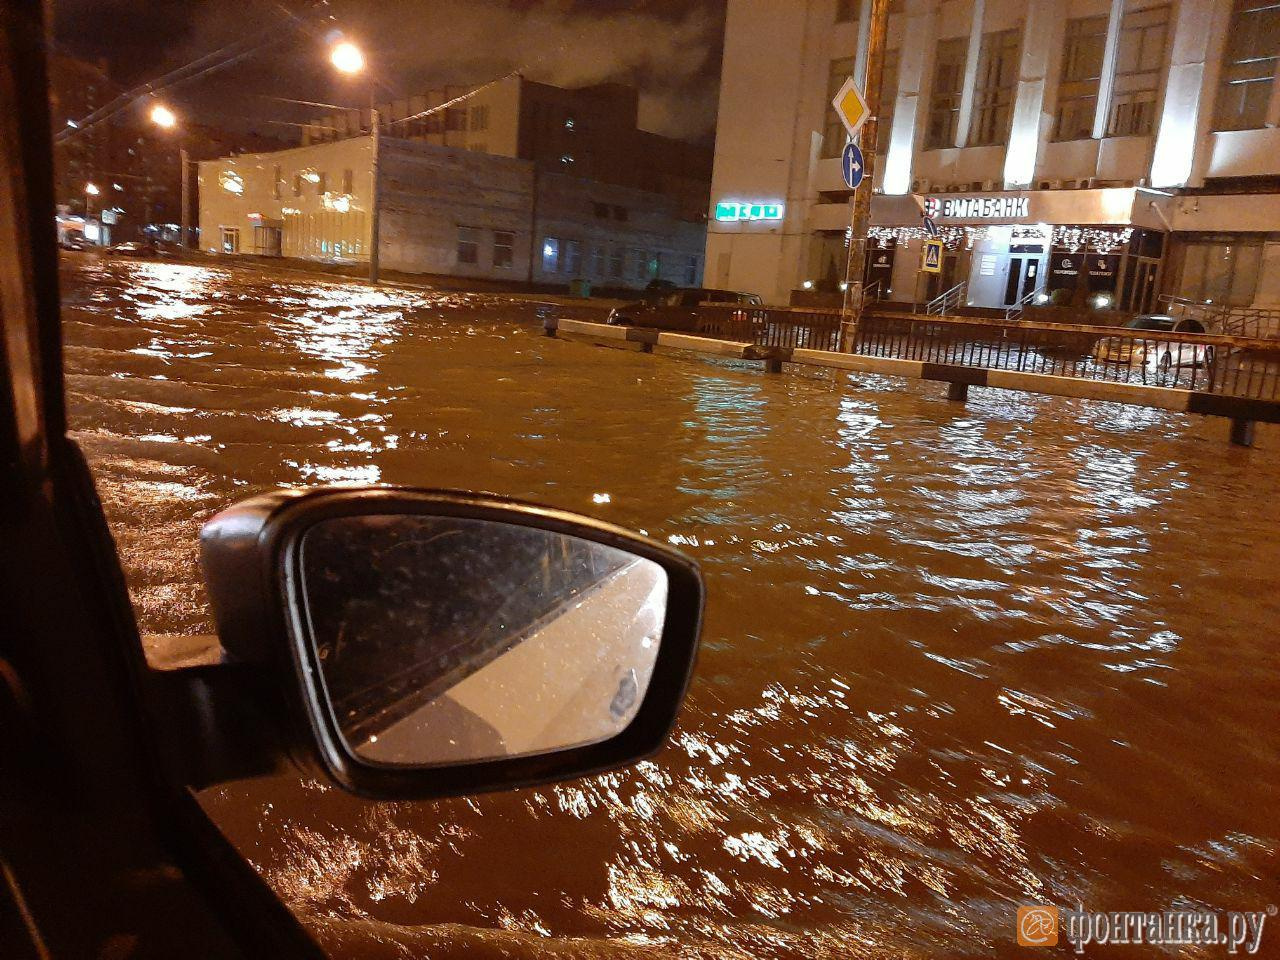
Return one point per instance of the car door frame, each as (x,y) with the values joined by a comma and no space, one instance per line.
(101,846)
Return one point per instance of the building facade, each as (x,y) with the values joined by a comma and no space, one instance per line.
(587,132)
(445,210)
(1090,151)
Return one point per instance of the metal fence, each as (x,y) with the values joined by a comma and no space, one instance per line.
(1231,366)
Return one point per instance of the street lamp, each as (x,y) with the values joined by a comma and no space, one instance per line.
(166,119)
(346,57)
(163,117)
(92,189)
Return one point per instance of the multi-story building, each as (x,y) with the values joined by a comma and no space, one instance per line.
(445,210)
(586,132)
(1066,149)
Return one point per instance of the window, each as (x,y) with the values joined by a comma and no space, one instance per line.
(297,184)
(615,262)
(572,257)
(550,255)
(348,180)
(480,117)
(504,244)
(833,134)
(1081,74)
(888,100)
(230,239)
(322,182)
(468,245)
(1223,271)
(598,260)
(944,99)
(1140,61)
(846,11)
(276,185)
(455,118)
(635,263)
(691,271)
(994,89)
(1249,66)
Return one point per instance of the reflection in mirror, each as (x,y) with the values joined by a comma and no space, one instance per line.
(449,640)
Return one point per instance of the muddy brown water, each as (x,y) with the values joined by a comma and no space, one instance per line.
(956,658)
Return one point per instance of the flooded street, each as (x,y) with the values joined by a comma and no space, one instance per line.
(956,658)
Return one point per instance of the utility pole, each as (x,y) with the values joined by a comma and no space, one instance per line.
(374,217)
(184,239)
(855,272)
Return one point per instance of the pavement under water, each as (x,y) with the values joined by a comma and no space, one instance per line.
(957,658)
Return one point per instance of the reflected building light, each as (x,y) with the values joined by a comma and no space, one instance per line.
(231,182)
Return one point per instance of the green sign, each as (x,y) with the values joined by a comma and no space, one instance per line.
(733,211)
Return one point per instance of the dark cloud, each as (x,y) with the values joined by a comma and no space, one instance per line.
(669,49)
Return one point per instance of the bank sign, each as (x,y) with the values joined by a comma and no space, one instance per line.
(976,208)
(733,211)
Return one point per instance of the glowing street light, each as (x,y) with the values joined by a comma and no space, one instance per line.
(346,57)
(91,189)
(162,116)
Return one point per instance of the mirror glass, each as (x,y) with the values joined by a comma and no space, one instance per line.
(449,640)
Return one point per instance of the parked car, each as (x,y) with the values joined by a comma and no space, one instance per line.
(1162,355)
(678,309)
(74,241)
(131,249)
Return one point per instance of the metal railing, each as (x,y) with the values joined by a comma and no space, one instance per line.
(1015,312)
(947,300)
(1232,366)
(788,327)
(1259,323)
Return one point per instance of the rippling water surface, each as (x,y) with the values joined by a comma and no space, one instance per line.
(956,658)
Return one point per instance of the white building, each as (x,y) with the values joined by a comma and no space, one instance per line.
(445,211)
(1136,142)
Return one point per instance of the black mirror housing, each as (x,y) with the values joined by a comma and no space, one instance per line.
(273,610)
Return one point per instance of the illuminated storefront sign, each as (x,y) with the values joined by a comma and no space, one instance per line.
(977,208)
(733,211)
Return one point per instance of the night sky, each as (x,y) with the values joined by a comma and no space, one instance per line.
(670,49)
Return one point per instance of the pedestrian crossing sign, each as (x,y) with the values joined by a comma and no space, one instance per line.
(932,258)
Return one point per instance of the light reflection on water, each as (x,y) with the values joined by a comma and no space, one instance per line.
(955,659)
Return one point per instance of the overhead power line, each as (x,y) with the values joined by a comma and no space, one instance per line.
(219,59)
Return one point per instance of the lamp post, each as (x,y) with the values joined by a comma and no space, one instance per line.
(347,58)
(166,119)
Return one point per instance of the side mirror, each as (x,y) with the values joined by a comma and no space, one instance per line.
(429,643)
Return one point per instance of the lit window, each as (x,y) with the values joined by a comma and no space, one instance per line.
(993,92)
(1248,67)
(567,159)
(1140,65)
(948,87)
(550,255)
(1082,55)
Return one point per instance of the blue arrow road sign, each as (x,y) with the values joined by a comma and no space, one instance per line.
(851,165)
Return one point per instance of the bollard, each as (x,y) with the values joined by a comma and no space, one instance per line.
(772,364)
(958,391)
(549,326)
(1242,432)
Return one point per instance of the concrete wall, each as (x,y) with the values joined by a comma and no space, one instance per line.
(429,192)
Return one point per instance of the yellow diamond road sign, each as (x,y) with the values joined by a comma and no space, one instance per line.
(850,107)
